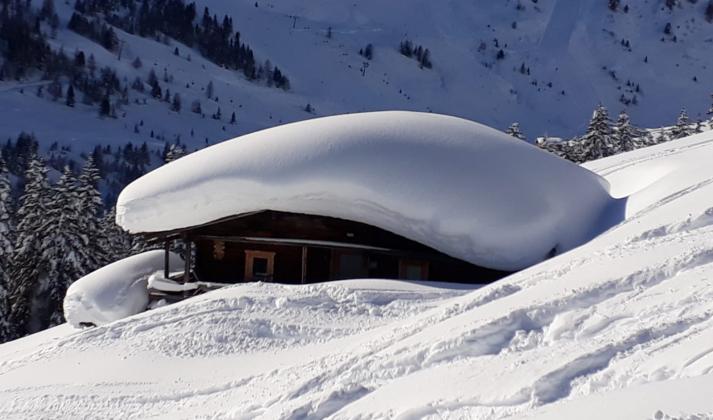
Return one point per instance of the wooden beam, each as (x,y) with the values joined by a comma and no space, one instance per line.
(166,247)
(304,264)
(293,242)
(187,259)
(176,233)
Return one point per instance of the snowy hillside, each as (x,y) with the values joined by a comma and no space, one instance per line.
(618,328)
(544,63)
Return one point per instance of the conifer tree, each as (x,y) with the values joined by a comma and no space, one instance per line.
(627,136)
(89,211)
(176,103)
(175,151)
(115,240)
(63,247)
(682,127)
(6,246)
(70,96)
(514,131)
(28,271)
(47,9)
(598,142)
(209,90)
(105,107)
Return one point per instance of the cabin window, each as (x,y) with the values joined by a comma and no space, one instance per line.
(413,270)
(218,250)
(259,265)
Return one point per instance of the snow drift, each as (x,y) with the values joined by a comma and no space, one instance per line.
(115,291)
(460,187)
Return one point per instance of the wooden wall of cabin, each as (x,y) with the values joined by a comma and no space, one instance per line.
(322,263)
(227,269)
(457,271)
(271,224)
(231,267)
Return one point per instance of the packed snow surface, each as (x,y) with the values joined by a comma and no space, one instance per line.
(115,291)
(465,189)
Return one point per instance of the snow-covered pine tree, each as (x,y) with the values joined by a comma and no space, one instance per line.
(648,139)
(514,131)
(566,149)
(27,269)
(699,127)
(89,211)
(576,150)
(683,126)
(64,247)
(175,151)
(598,141)
(628,137)
(116,241)
(7,231)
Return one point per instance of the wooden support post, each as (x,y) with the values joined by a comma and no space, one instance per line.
(304,264)
(166,247)
(187,259)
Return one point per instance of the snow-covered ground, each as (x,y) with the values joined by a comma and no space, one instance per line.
(621,327)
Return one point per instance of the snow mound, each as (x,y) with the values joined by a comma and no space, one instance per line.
(115,291)
(465,189)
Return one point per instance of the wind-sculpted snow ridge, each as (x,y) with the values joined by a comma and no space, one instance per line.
(460,187)
(621,327)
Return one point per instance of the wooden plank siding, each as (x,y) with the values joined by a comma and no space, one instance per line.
(310,248)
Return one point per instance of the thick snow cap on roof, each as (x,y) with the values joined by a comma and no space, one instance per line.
(464,189)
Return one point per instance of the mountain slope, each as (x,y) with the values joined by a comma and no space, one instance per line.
(631,307)
(559,59)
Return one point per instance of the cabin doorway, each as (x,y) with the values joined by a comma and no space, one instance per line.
(259,266)
(413,270)
(350,265)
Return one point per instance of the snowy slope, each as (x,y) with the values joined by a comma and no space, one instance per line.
(621,327)
(571,47)
(445,182)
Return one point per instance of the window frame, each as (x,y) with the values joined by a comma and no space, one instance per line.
(250,256)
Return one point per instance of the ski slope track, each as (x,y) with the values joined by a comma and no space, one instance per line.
(621,327)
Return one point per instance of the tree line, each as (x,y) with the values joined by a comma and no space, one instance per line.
(605,137)
(214,38)
(51,236)
(53,233)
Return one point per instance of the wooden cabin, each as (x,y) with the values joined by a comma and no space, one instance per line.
(395,195)
(296,248)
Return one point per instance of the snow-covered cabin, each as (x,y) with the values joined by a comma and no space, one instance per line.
(388,194)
